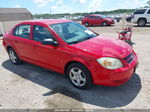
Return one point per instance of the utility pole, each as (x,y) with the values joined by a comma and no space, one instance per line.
(50,14)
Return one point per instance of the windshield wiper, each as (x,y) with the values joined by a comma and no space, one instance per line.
(88,38)
(80,40)
(75,42)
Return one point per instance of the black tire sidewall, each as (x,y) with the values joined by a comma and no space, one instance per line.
(143,21)
(87,73)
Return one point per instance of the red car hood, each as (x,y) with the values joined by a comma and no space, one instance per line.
(108,19)
(102,46)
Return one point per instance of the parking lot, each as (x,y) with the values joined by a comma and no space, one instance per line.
(30,87)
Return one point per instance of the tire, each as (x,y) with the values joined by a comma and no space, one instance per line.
(86,24)
(104,24)
(79,76)
(13,57)
(141,22)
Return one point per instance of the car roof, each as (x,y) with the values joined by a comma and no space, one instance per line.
(47,21)
(143,8)
(93,15)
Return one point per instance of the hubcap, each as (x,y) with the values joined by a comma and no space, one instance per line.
(77,77)
(86,24)
(12,56)
(104,24)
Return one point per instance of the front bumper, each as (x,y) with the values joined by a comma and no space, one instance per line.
(111,22)
(106,77)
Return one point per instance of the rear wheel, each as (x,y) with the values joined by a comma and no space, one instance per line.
(79,76)
(86,24)
(141,22)
(13,56)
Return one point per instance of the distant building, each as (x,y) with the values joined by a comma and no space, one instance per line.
(11,16)
(14,14)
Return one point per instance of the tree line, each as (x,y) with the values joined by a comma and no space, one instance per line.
(118,11)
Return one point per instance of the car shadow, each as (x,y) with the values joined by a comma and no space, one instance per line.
(101,26)
(108,97)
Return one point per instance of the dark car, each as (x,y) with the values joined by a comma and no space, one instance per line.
(129,18)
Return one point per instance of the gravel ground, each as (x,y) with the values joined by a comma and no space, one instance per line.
(31,87)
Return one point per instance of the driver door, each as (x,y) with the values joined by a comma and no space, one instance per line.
(47,56)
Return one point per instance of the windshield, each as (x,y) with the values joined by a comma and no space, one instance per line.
(72,32)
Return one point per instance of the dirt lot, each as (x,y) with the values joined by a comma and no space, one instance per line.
(31,87)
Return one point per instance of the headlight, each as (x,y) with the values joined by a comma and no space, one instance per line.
(110,63)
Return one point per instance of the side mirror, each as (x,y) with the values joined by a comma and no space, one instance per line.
(50,42)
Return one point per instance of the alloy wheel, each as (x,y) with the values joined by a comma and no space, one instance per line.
(12,56)
(77,77)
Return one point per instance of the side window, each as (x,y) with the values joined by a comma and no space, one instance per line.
(22,31)
(96,17)
(148,12)
(142,11)
(41,33)
(90,17)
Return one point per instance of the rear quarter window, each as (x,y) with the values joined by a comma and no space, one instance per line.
(141,11)
(22,31)
(93,17)
(148,12)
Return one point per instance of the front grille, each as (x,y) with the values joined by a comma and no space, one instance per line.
(129,58)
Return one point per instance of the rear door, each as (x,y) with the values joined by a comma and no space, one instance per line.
(90,20)
(21,40)
(94,20)
(99,20)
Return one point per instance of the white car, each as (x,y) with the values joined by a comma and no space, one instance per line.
(142,16)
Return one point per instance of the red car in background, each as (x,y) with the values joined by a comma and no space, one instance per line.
(97,19)
(69,48)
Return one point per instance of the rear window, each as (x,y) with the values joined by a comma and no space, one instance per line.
(141,11)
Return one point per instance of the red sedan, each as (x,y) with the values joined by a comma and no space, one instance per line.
(69,48)
(96,19)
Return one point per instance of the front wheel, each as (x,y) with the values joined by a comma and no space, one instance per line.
(79,76)
(13,57)
(104,24)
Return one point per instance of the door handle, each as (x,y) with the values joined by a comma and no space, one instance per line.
(35,45)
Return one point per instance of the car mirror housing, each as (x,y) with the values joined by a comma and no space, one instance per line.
(49,42)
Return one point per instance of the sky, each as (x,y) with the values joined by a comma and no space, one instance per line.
(71,6)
